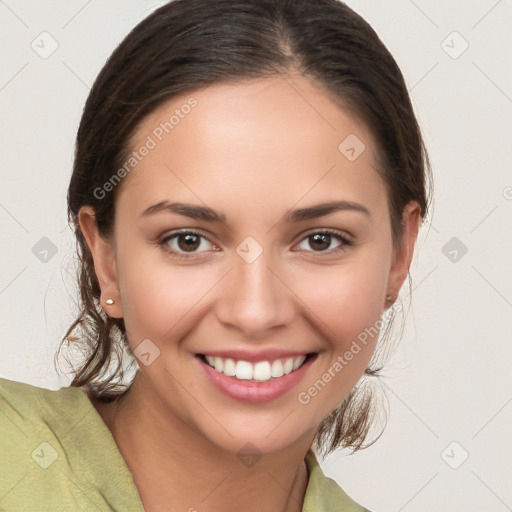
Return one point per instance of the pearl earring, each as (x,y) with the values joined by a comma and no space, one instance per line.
(109,302)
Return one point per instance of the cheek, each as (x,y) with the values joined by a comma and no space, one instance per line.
(346,306)
(159,297)
(345,299)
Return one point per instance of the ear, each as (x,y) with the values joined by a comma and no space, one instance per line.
(411,219)
(103,254)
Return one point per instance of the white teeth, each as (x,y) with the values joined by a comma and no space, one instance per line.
(288,366)
(277,369)
(243,370)
(219,364)
(262,371)
(229,368)
(298,362)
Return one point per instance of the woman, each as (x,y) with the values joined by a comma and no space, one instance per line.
(248,186)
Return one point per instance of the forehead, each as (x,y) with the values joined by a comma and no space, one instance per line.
(277,139)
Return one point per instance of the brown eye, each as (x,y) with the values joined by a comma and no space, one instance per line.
(189,242)
(320,241)
(323,241)
(185,243)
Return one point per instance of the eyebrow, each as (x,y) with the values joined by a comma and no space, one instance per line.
(208,214)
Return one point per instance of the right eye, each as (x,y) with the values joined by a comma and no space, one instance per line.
(184,243)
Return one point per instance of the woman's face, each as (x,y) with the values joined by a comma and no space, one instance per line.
(260,272)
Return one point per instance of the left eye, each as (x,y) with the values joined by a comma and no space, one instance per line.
(320,241)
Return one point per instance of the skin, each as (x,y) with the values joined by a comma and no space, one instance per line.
(252,151)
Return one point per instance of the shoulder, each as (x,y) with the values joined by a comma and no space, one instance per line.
(57,454)
(34,412)
(35,427)
(323,494)
(32,401)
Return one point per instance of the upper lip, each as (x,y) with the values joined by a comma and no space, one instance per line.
(270,354)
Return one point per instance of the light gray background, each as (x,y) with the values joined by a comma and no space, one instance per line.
(449,380)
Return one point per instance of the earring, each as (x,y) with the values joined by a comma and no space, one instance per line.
(109,302)
(388,298)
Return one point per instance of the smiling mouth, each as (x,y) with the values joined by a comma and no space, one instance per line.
(262,371)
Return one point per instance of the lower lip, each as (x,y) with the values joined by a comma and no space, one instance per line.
(252,391)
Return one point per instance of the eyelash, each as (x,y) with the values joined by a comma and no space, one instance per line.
(163,243)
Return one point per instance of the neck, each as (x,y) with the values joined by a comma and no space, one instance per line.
(175,466)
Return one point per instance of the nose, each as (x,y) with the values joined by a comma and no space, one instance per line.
(256,298)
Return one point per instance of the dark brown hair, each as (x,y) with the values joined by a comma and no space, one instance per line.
(189,44)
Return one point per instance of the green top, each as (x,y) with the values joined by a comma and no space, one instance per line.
(57,454)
